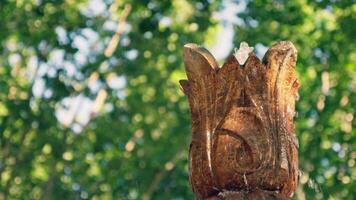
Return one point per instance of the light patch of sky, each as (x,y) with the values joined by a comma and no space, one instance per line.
(11,45)
(56,57)
(74,109)
(131,54)
(121,94)
(83,114)
(95,8)
(38,87)
(165,22)
(260,50)
(92,38)
(125,41)
(61,35)
(336,147)
(14,59)
(81,44)
(69,68)
(51,72)
(80,59)
(228,18)
(31,67)
(42,70)
(88,42)
(94,86)
(48,93)
(116,82)
(110,25)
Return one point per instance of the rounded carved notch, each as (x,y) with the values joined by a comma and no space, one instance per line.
(243,140)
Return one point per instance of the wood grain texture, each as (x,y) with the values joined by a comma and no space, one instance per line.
(243,137)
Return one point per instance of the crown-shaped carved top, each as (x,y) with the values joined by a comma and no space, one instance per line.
(242,113)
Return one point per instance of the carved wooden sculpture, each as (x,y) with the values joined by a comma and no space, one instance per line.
(243,143)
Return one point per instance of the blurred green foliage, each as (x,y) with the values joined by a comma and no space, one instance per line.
(136,146)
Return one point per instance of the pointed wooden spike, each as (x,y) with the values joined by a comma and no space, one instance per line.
(255,71)
(284,47)
(280,61)
(230,64)
(198,60)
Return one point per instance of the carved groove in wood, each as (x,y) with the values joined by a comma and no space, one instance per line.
(243,144)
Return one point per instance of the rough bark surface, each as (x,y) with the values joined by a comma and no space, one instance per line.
(243,144)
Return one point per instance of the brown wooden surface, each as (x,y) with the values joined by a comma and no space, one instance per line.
(243,144)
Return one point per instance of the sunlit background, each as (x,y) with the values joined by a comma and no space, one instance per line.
(90,105)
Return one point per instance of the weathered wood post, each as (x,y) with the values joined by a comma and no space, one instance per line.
(243,144)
